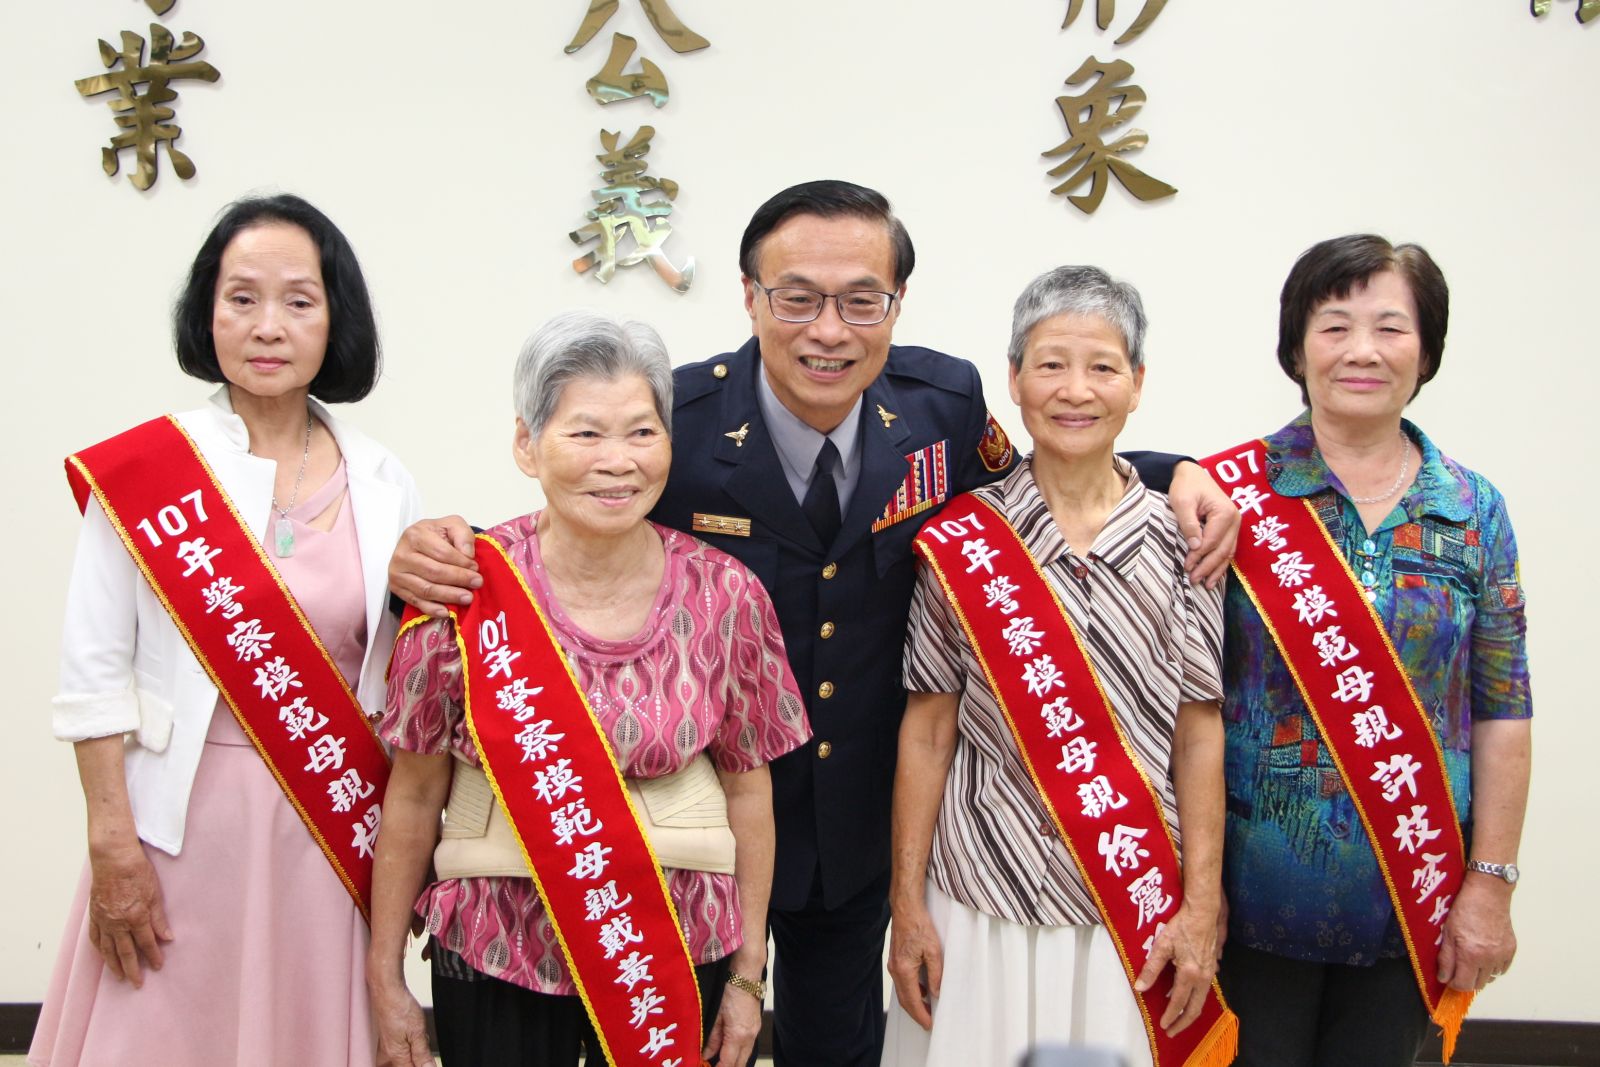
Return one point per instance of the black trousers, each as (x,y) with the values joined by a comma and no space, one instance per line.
(1298,1014)
(484,1022)
(827,993)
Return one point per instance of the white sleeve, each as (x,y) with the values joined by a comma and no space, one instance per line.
(97,696)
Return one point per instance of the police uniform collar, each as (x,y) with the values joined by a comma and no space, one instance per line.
(754,456)
(883,460)
(754,477)
(796,441)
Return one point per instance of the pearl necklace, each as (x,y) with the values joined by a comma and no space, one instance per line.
(1400,479)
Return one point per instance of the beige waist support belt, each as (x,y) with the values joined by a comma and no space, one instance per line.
(685,817)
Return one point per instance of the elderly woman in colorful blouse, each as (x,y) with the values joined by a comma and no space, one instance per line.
(1317,962)
(997,939)
(677,653)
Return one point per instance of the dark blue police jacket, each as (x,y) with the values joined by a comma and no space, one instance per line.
(842,607)
(831,797)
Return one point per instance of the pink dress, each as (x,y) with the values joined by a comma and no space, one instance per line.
(267,965)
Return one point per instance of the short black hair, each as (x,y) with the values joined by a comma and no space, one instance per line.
(353,361)
(1330,269)
(828,199)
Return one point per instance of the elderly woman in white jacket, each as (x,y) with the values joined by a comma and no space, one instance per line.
(210,926)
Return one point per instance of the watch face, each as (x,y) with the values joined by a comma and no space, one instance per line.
(1512,874)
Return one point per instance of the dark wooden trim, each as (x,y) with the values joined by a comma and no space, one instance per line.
(16,1027)
(1484,1042)
(1524,1042)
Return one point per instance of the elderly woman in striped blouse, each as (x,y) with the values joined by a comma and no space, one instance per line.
(1062,725)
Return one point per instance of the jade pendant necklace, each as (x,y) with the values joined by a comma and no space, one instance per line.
(283,528)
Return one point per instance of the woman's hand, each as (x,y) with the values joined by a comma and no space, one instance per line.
(1189,943)
(402,1034)
(916,962)
(127,920)
(1478,944)
(927,746)
(433,566)
(418,786)
(733,1035)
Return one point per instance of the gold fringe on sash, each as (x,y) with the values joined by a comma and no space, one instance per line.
(1221,1045)
(1449,1015)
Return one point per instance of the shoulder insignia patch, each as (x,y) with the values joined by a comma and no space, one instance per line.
(994,449)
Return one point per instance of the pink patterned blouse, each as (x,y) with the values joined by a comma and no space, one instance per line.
(706,673)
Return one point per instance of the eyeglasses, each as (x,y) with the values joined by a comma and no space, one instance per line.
(862,307)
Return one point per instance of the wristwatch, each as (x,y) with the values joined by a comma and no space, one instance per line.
(755,988)
(1506,871)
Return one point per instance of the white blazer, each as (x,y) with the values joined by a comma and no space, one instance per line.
(126,669)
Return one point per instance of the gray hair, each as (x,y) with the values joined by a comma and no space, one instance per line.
(1079,291)
(576,345)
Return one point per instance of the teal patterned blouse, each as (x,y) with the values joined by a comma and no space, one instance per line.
(1441,570)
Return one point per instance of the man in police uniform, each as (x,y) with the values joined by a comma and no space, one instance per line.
(813,454)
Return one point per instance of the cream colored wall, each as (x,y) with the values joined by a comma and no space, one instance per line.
(454,144)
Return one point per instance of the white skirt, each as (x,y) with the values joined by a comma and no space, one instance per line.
(1008,988)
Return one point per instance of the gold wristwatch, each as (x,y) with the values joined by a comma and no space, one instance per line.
(755,988)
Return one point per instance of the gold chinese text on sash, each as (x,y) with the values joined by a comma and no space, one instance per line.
(557,782)
(247,631)
(1073,747)
(1366,710)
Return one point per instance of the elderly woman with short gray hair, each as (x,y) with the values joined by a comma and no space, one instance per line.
(1030,791)
(678,656)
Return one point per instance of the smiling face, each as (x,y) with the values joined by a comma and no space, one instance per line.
(270,320)
(819,368)
(1076,386)
(1362,355)
(602,459)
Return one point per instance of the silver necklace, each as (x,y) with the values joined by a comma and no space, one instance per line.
(283,529)
(1405,465)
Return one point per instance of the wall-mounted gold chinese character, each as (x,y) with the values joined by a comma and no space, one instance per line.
(679,37)
(1101,108)
(1587,9)
(160,7)
(1106,10)
(630,205)
(611,84)
(144,117)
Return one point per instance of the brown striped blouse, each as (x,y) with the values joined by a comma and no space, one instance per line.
(1155,641)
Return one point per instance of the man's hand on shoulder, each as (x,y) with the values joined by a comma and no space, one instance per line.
(433,566)
(1208,522)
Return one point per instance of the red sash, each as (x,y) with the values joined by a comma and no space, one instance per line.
(1082,765)
(557,781)
(1375,729)
(247,631)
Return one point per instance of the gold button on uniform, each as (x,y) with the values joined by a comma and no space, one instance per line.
(827,630)
(825,690)
(824,750)
(830,570)
(719,371)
